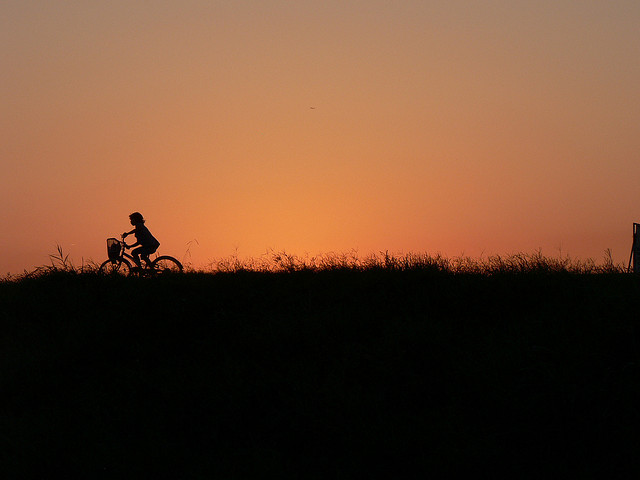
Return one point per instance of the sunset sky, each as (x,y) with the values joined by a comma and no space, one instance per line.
(453,127)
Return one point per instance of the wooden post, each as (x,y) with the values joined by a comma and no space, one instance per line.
(635,249)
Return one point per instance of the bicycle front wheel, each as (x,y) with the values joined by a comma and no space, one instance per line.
(165,264)
(121,267)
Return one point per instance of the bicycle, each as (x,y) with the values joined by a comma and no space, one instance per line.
(121,263)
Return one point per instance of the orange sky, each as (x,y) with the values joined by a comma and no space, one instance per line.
(455,127)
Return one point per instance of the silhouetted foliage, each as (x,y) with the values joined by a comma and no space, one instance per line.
(400,365)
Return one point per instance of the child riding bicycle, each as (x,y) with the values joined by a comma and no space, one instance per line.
(146,243)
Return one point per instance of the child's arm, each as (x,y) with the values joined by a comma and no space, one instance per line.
(125,234)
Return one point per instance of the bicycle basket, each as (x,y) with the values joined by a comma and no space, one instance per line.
(113,249)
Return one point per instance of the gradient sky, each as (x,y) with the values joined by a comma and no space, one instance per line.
(453,127)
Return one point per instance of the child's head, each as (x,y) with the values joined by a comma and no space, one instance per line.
(136,218)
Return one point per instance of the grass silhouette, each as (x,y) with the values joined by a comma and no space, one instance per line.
(280,262)
(534,262)
(324,367)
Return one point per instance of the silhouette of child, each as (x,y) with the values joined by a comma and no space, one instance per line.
(148,243)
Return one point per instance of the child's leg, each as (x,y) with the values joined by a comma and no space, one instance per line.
(145,257)
(136,256)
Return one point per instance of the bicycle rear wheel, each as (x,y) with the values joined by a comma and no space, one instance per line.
(165,265)
(120,267)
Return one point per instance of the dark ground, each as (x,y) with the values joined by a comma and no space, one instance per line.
(334,374)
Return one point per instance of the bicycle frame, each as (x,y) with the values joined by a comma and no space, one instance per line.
(120,260)
(123,254)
